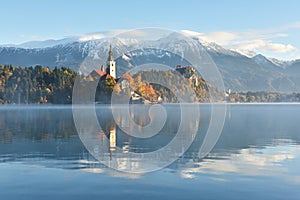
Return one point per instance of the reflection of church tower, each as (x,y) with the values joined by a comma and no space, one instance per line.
(112,138)
(112,141)
(111,64)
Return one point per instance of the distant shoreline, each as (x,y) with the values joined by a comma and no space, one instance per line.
(5,106)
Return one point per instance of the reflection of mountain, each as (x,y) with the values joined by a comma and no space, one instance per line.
(47,133)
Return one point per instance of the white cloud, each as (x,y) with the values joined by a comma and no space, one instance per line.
(222,38)
(252,41)
(249,162)
(35,37)
(100,35)
(263,46)
(279,48)
(91,37)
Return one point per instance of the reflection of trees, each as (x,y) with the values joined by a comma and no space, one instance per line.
(36,124)
(258,127)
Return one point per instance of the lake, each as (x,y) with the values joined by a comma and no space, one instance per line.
(257,156)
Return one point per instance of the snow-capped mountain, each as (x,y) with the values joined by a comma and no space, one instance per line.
(245,52)
(240,71)
(281,63)
(263,61)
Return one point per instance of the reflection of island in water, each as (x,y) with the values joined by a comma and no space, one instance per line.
(254,137)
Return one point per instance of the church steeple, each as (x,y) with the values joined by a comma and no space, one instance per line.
(111,64)
(110,55)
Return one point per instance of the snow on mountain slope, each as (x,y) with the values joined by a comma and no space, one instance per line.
(245,52)
(263,61)
(281,63)
(241,72)
(209,46)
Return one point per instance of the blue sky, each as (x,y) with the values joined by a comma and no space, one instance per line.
(269,27)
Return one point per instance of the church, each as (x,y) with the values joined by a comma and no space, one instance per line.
(109,70)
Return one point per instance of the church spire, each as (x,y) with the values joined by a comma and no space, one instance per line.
(111,64)
(110,54)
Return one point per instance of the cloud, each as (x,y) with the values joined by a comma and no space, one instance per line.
(35,37)
(249,162)
(99,35)
(222,38)
(263,46)
(135,33)
(259,41)
(251,41)
(91,37)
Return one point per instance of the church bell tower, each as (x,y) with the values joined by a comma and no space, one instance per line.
(111,64)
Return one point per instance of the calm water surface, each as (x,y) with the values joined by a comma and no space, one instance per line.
(256,157)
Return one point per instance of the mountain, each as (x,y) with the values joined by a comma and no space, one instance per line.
(240,72)
(263,61)
(46,43)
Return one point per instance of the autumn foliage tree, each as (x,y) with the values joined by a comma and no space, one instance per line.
(35,84)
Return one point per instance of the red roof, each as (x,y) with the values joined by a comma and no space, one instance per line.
(98,72)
